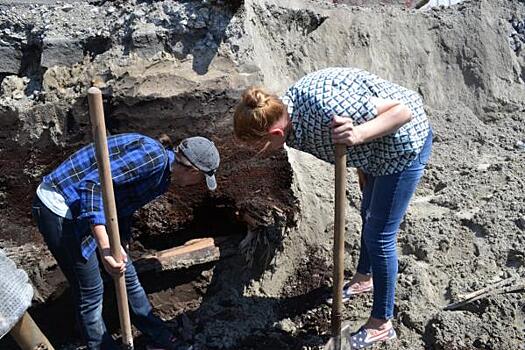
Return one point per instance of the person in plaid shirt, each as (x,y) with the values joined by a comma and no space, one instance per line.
(389,141)
(69,211)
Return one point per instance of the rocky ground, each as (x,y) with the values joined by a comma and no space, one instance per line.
(178,67)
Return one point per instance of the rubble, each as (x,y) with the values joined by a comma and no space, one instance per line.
(517,34)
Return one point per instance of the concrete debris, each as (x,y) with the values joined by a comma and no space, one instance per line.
(61,51)
(14,87)
(11,59)
(517,34)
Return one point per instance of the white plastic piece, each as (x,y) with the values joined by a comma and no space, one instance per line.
(15,294)
(438,3)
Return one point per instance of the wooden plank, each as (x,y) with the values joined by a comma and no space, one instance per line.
(194,252)
(493,289)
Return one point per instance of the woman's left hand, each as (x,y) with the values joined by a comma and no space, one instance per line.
(344,131)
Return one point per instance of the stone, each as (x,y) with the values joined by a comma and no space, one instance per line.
(199,24)
(67,7)
(10,60)
(178,49)
(61,51)
(145,40)
(287,325)
(139,13)
(204,13)
(14,87)
(520,222)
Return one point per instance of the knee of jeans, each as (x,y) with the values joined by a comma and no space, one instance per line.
(381,224)
(377,236)
(91,297)
(381,249)
(132,280)
(91,314)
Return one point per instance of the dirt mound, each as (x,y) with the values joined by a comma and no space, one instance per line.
(179,67)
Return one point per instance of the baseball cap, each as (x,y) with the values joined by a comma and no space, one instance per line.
(203,155)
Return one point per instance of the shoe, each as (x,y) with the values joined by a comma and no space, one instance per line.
(175,344)
(365,338)
(349,292)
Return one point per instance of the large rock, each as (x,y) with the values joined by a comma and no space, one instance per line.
(10,60)
(147,40)
(459,57)
(61,51)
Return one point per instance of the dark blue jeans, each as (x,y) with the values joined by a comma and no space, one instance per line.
(86,283)
(385,201)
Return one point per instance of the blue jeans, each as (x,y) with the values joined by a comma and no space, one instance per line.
(384,204)
(86,282)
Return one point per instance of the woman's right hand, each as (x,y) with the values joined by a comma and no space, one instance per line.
(113,267)
(344,131)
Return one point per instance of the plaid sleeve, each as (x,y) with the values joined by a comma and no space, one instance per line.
(91,204)
(349,104)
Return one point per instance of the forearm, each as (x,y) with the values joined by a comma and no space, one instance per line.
(385,123)
(101,236)
(113,262)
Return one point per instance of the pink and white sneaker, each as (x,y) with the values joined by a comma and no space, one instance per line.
(365,338)
(350,291)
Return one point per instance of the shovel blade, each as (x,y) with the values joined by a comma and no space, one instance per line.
(340,343)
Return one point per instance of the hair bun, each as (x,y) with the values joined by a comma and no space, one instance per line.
(255,98)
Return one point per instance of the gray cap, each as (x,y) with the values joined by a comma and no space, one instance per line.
(203,155)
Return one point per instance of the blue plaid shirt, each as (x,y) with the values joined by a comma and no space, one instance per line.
(315,99)
(140,167)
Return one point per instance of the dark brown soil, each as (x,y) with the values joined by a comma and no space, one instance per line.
(249,190)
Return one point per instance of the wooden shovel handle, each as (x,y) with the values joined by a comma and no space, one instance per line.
(339,238)
(96,111)
(28,336)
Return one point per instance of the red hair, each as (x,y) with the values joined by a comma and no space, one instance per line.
(256,113)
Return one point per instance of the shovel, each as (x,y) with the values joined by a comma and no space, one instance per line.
(96,111)
(338,341)
(28,336)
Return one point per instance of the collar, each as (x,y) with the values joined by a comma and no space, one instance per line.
(171,158)
(293,135)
